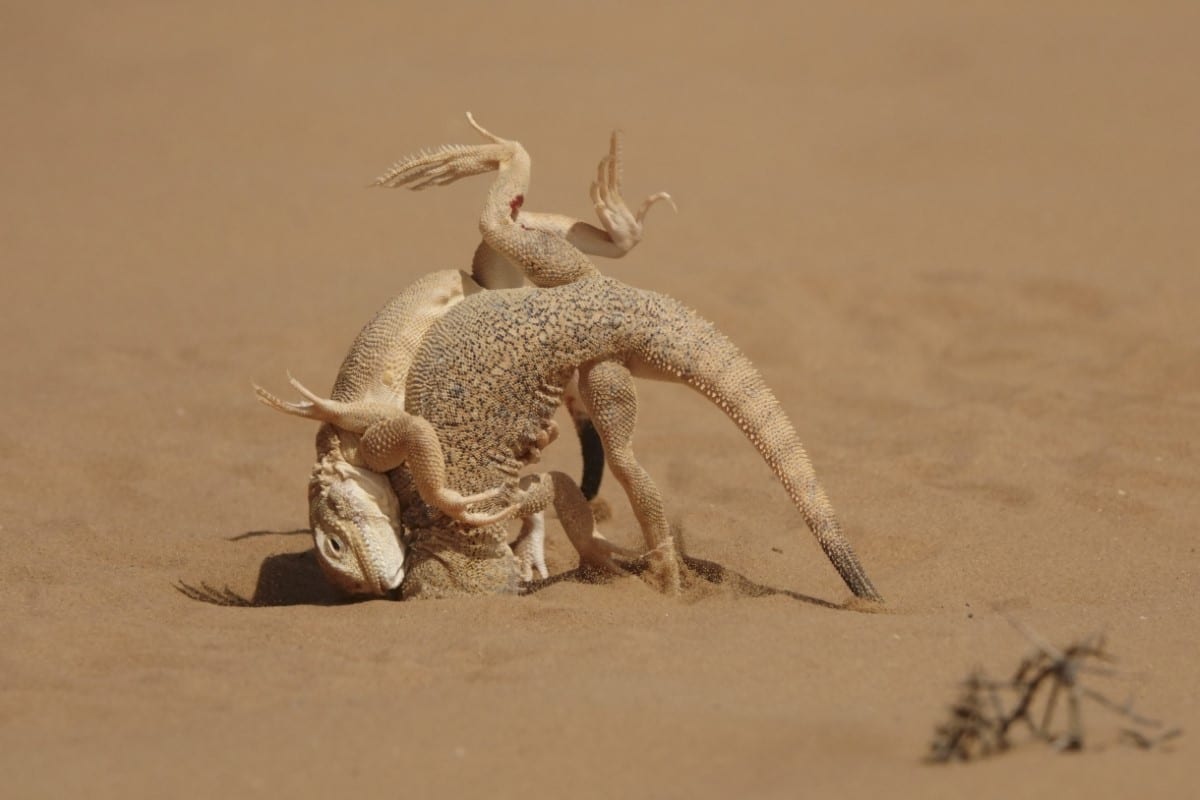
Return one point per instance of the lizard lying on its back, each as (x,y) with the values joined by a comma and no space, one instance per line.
(353,513)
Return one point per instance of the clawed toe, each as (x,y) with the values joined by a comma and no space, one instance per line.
(623,226)
(530,548)
(664,568)
(491,137)
(651,200)
(456,506)
(315,401)
(601,555)
(310,408)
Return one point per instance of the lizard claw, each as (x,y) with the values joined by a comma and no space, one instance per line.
(491,137)
(355,417)
(598,553)
(455,506)
(622,226)
(651,200)
(530,551)
(314,407)
(314,401)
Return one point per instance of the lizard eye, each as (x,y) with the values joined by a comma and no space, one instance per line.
(330,545)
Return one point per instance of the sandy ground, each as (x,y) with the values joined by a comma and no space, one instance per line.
(962,247)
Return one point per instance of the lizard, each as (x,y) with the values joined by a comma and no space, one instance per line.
(353,512)
(490,372)
(487,418)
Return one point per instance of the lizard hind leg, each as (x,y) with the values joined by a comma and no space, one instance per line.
(447,163)
(609,393)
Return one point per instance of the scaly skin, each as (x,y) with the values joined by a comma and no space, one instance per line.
(353,511)
(355,519)
(548,249)
(487,418)
(490,373)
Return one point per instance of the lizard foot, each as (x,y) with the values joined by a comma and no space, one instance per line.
(598,552)
(530,547)
(663,570)
(623,226)
(449,162)
(537,442)
(455,505)
(352,417)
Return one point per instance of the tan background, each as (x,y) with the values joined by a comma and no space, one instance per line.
(960,244)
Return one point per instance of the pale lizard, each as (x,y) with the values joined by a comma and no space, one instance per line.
(354,517)
(490,373)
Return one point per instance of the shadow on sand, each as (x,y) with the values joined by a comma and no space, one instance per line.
(698,573)
(284,579)
(292,579)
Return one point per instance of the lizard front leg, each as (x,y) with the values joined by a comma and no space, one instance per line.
(409,439)
(391,437)
(621,229)
(575,515)
(530,547)
(548,248)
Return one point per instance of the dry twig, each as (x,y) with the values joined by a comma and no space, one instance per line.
(981,722)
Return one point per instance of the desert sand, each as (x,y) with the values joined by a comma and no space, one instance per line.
(960,245)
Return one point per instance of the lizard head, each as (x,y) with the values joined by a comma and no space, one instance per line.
(355,520)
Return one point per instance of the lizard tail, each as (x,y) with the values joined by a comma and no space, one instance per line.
(682,346)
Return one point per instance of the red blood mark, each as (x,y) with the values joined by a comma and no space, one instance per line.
(515,204)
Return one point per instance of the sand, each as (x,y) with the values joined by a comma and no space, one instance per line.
(961,245)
